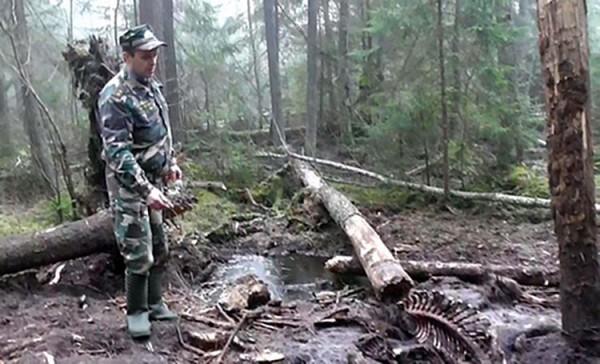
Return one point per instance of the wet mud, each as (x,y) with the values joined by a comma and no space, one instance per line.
(80,319)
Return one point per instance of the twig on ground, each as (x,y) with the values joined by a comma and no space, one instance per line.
(207,321)
(228,343)
(333,313)
(253,201)
(92,352)
(264,327)
(185,345)
(279,322)
(224,314)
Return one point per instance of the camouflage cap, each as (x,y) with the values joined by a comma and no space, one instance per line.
(140,38)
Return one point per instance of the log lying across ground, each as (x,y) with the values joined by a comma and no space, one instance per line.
(469,272)
(71,240)
(68,241)
(389,280)
(464,195)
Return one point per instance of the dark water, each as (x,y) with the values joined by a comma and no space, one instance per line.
(289,277)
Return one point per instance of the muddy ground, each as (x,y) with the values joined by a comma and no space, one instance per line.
(80,319)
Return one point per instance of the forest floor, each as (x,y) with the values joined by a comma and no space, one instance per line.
(80,318)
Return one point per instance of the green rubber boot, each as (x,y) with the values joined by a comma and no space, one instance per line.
(158,309)
(138,322)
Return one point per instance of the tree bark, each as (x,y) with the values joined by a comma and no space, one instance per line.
(151,14)
(469,272)
(68,241)
(278,123)
(389,281)
(343,74)
(445,126)
(255,67)
(172,81)
(310,140)
(5,119)
(564,51)
(329,69)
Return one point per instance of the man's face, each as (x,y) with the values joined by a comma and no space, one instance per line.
(142,63)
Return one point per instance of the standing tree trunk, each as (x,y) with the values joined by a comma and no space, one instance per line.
(172,82)
(40,151)
(328,66)
(455,120)
(159,15)
(5,119)
(151,14)
(343,77)
(255,67)
(563,46)
(271,33)
(445,128)
(310,140)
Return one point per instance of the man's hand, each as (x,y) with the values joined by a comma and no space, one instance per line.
(174,174)
(158,201)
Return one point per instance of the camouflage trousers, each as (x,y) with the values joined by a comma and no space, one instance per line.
(138,229)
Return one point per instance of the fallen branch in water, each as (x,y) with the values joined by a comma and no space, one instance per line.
(465,195)
(468,272)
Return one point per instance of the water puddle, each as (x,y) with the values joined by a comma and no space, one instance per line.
(289,277)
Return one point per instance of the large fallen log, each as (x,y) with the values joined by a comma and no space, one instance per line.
(389,281)
(76,239)
(80,238)
(464,195)
(469,272)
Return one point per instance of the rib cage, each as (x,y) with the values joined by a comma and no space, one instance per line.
(448,325)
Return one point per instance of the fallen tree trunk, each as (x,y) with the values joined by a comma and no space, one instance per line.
(469,272)
(465,195)
(91,235)
(389,281)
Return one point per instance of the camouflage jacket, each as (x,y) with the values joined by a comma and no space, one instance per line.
(135,130)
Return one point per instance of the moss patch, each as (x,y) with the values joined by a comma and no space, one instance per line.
(381,197)
(15,221)
(527,183)
(211,211)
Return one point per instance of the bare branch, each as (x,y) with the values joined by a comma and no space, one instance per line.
(24,77)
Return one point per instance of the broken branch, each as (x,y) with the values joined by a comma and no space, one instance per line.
(228,343)
(468,272)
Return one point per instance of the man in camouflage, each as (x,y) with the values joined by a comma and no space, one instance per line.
(139,158)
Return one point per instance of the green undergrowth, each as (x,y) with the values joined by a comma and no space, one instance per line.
(525,182)
(211,211)
(19,220)
(393,198)
(24,222)
(231,162)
